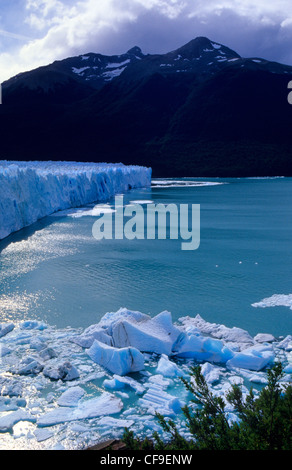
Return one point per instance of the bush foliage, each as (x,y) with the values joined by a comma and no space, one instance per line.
(264,421)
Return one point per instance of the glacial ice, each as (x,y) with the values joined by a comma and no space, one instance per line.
(10,419)
(119,361)
(253,358)
(119,382)
(157,400)
(65,377)
(155,335)
(71,397)
(32,190)
(105,404)
(168,368)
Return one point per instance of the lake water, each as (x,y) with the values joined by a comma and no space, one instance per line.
(57,272)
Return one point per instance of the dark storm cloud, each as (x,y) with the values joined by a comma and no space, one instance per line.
(64,28)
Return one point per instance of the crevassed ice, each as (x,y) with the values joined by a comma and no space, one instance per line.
(32,190)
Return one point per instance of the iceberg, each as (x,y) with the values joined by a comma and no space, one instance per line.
(10,419)
(156,400)
(254,358)
(120,361)
(202,348)
(154,335)
(105,404)
(168,368)
(32,190)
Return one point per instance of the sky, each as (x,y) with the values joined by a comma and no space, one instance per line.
(37,32)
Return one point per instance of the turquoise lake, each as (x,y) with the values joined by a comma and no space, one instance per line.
(57,272)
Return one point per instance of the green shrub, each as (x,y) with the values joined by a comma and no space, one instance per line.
(264,422)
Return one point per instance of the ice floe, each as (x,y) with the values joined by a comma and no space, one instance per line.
(276,300)
(122,361)
(80,386)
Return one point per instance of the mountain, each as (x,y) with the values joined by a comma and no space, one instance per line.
(201,110)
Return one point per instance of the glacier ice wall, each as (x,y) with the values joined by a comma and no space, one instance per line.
(32,190)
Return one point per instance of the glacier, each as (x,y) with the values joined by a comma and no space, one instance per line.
(36,189)
(80,386)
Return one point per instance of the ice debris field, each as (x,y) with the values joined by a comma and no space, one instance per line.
(70,388)
(32,190)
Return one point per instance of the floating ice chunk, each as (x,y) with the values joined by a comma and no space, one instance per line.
(4,350)
(91,333)
(159,380)
(168,368)
(202,348)
(276,300)
(118,383)
(43,434)
(37,343)
(109,320)
(286,343)
(5,328)
(10,419)
(106,404)
(33,325)
(110,422)
(157,400)
(210,372)
(71,397)
(288,368)
(113,384)
(28,366)
(118,361)
(65,371)
(154,335)
(47,354)
(253,358)
(237,336)
(10,387)
(264,338)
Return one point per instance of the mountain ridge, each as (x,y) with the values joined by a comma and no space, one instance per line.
(199,110)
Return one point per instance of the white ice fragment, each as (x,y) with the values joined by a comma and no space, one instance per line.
(4,350)
(5,327)
(253,358)
(33,325)
(91,333)
(119,361)
(210,372)
(28,366)
(106,404)
(156,335)
(65,371)
(236,336)
(202,348)
(168,368)
(276,300)
(71,397)
(110,422)
(157,400)
(159,380)
(118,382)
(286,343)
(10,419)
(43,434)
(264,338)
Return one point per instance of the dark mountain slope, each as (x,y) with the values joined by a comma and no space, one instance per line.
(201,110)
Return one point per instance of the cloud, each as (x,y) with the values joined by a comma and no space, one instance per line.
(63,28)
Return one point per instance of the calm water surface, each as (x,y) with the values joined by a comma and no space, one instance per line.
(55,271)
